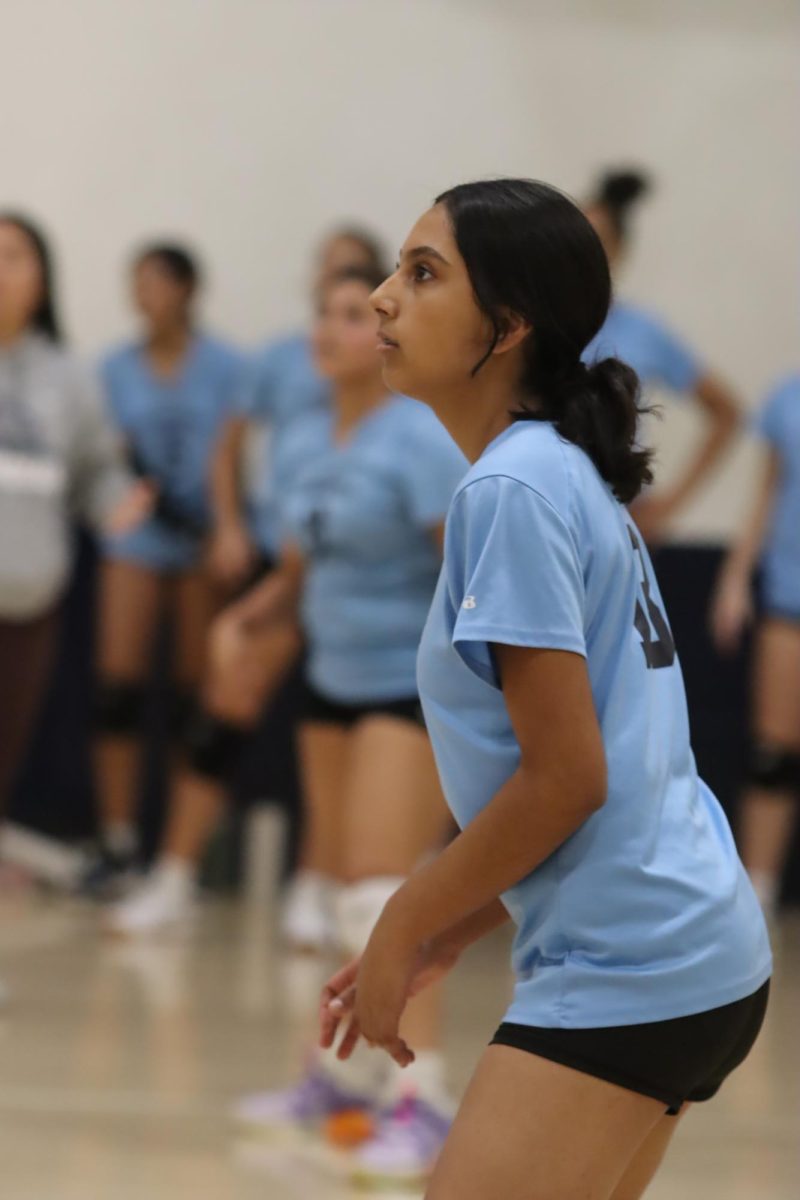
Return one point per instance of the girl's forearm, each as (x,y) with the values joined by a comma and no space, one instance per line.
(478,925)
(744,553)
(526,821)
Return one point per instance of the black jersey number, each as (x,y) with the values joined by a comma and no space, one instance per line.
(659,650)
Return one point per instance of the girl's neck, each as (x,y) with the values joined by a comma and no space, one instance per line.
(167,346)
(475,414)
(355,400)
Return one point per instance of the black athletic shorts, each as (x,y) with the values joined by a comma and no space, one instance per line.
(681,1061)
(315,706)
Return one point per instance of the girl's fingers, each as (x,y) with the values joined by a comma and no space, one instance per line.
(328,1024)
(329,1018)
(334,1005)
(349,1041)
(402,1054)
(344,1002)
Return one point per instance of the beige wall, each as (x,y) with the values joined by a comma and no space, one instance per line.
(248,125)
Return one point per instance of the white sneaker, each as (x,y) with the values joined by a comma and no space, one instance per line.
(165,899)
(404,1148)
(307,920)
(298,1110)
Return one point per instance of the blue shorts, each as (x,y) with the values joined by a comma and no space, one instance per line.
(157,546)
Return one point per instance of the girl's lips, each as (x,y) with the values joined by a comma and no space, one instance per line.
(385,343)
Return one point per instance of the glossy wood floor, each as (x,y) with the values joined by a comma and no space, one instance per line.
(118,1064)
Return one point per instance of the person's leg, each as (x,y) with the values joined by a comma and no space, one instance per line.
(531,1129)
(27,649)
(189,826)
(307,921)
(769,806)
(648,1158)
(394,815)
(233,697)
(231,705)
(326,1086)
(129,606)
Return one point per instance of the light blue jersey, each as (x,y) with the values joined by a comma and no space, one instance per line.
(645,913)
(282,386)
(171,427)
(779,423)
(364,513)
(658,357)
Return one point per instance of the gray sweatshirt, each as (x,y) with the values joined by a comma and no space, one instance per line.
(59,459)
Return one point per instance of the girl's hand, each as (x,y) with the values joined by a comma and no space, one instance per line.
(371,993)
(231,554)
(235,676)
(135,507)
(731,612)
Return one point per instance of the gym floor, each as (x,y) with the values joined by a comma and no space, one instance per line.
(119,1063)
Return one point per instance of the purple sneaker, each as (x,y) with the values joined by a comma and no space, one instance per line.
(301,1108)
(404,1148)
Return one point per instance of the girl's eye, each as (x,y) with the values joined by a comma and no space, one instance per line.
(421,273)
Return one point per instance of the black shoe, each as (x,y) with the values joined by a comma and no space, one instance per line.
(108,876)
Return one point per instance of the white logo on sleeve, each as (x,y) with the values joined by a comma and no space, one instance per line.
(469,602)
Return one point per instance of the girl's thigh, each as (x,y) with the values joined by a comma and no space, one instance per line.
(195,603)
(777,682)
(531,1129)
(394,809)
(130,603)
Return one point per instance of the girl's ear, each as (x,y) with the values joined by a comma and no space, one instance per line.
(515,330)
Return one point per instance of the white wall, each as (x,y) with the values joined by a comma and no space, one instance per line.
(249,125)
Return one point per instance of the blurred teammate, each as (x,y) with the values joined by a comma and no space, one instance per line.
(59,462)
(282,388)
(771,539)
(169,393)
(658,356)
(364,521)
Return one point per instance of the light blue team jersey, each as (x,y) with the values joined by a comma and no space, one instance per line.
(282,387)
(645,913)
(171,425)
(363,513)
(779,423)
(657,356)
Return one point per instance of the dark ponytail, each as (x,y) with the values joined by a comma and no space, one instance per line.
(530,251)
(45,319)
(618,193)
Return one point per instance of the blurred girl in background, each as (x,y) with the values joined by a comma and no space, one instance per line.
(282,388)
(365,524)
(59,463)
(770,538)
(169,393)
(659,357)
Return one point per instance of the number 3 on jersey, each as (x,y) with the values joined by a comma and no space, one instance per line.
(659,650)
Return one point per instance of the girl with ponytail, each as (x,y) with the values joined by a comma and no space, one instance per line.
(556,710)
(660,358)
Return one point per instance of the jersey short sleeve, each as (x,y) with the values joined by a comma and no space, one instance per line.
(234,373)
(513,573)
(433,466)
(258,381)
(676,365)
(770,420)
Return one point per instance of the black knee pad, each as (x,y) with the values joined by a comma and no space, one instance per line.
(182,708)
(118,707)
(774,768)
(212,745)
